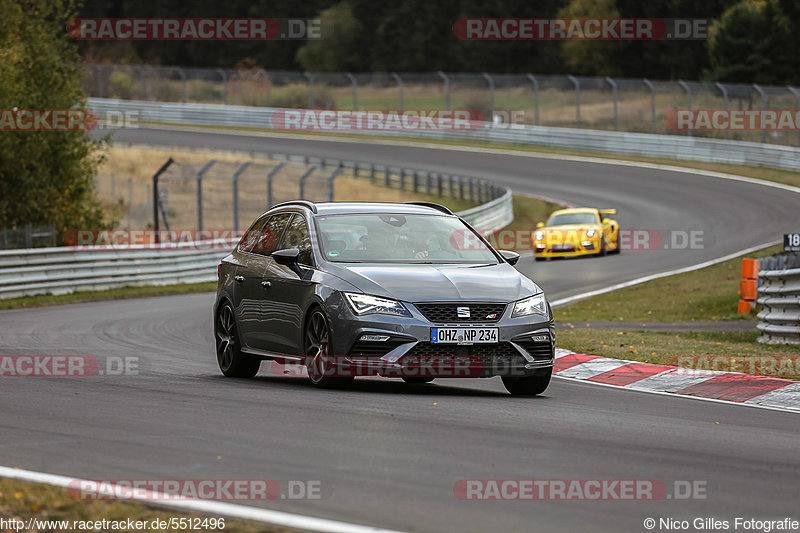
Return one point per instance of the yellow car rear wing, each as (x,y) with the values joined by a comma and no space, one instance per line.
(607,211)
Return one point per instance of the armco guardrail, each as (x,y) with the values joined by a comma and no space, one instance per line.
(63,270)
(779,294)
(645,144)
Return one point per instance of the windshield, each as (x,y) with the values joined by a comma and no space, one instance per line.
(389,238)
(567,219)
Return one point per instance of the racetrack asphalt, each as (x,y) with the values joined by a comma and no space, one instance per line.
(388,453)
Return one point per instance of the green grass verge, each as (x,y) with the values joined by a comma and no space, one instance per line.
(21,501)
(710,293)
(40,300)
(735,351)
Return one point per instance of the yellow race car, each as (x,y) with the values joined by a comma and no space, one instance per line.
(575,232)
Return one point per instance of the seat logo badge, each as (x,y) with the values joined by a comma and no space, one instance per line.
(462,312)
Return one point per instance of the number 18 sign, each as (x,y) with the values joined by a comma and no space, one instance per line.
(791,242)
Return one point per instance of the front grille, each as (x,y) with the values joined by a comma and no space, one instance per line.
(374,348)
(445,313)
(494,355)
(538,350)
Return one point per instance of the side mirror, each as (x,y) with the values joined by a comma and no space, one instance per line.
(511,257)
(288,257)
(539,225)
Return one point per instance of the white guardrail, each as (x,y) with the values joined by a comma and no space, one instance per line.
(64,270)
(779,294)
(645,144)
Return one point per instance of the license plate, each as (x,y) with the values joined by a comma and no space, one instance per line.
(562,247)
(464,335)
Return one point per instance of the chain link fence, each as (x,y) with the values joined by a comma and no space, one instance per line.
(227,195)
(634,105)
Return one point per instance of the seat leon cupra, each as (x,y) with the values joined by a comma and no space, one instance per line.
(350,289)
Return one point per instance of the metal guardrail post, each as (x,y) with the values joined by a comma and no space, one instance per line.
(652,104)
(310,79)
(415,178)
(796,94)
(386,177)
(371,173)
(331,179)
(763,107)
(142,79)
(236,175)
(399,82)
(266,83)
(428,183)
(224,77)
(439,190)
(303,181)
(688,90)
(200,176)
(354,83)
(270,176)
(157,198)
(491,94)
(28,236)
(184,87)
(614,89)
(99,71)
(460,187)
(724,92)
(446,81)
(535,83)
(577,85)
(130,201)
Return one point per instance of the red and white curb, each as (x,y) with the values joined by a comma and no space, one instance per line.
(746,389)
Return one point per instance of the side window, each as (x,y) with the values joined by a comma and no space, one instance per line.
(297,237)
(262,238)
(250,238)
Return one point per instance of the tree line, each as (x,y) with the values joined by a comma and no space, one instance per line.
(750,41)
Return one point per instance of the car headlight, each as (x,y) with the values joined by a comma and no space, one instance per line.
(539,235)
(534,304)
(591,233)
(364,304)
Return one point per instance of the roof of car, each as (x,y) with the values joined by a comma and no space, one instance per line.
(576,210)
(341,208)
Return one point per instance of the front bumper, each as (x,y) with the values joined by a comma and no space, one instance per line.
(407,350)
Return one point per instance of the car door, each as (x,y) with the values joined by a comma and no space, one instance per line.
(288,291)
(251,291)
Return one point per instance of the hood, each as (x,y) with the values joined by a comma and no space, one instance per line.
(427,283)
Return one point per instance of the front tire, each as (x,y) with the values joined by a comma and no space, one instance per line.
(528,385)
(317,342)
(232,362)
